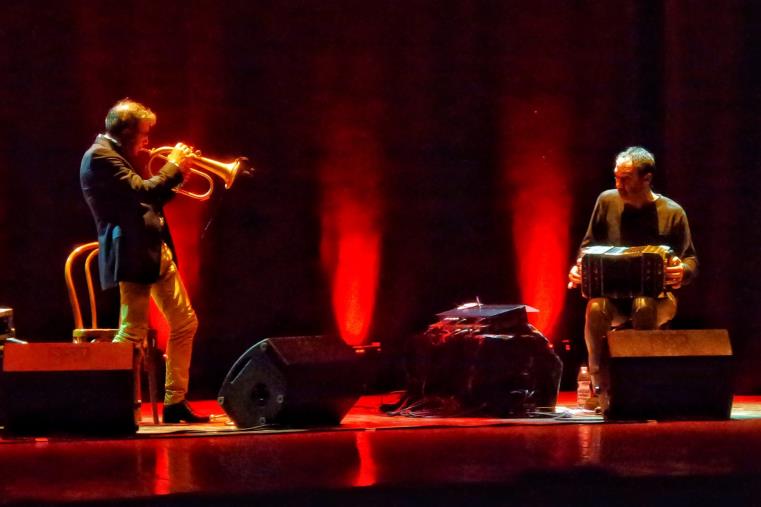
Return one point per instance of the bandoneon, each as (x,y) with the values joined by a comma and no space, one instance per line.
(620,272)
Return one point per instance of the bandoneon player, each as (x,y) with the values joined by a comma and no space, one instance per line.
(632,215)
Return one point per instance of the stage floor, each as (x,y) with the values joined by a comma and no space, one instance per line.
(372,459)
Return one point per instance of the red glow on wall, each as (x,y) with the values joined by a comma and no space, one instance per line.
(350,243)
(354,283)
(536,180)
(540,232)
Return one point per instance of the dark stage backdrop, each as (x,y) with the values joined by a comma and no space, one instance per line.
(410,156)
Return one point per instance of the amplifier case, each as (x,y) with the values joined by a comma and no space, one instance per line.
(667,375)
(69,388)
(298,380)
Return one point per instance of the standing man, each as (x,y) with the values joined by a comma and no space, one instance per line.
(633,215)
(136,249)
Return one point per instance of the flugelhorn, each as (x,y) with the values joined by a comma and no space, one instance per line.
(201,166)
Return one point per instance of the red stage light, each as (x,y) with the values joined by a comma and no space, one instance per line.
(536,173)
(355,280)
(540,231)
(350,246)
(351,257)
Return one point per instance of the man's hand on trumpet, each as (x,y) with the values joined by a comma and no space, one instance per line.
(181,156)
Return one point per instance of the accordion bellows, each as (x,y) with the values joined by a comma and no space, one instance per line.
(619,272)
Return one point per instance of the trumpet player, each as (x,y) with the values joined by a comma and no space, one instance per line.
(136,249)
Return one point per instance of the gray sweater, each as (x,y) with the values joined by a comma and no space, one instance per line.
(662,222)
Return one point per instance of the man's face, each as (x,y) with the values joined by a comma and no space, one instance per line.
(137,140)
(630,185)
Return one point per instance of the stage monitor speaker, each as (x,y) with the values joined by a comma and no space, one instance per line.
(82,388)
(674,374)
(299,380)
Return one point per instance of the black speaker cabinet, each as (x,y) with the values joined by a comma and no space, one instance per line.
(299,380)
(674,374)
(85,388)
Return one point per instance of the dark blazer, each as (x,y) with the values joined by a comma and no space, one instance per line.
(128,213)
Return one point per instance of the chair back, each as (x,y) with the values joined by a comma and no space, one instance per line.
(91,250)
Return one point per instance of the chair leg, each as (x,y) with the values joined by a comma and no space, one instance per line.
(137,395)
(150,366)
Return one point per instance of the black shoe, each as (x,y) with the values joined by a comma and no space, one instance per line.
(181,412)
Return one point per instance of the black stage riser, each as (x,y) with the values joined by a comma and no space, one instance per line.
(90,397)
(668,375)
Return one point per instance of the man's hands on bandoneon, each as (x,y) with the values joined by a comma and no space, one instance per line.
(674,273)
(574,276)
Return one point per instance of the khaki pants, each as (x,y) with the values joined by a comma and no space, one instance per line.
(602,313)
(172,300)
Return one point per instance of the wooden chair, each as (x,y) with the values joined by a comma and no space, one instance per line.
(94,333)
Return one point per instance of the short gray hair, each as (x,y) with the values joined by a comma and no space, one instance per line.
(127,114)
(642,160)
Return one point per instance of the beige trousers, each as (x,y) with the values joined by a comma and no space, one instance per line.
(602,313)
(172,300)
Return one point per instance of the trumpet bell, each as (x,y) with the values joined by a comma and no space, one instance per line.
(227,171)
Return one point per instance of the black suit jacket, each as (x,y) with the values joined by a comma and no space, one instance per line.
(128,213)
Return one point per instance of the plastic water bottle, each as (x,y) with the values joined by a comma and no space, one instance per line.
(583,387)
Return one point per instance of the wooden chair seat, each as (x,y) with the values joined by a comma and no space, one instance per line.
(86,335)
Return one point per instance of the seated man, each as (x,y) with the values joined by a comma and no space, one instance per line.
(633,215)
